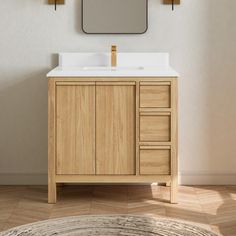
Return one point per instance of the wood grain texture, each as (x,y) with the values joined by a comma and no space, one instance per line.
(213,207)
(66,131)
(155,95)
(98,127)
(155,128)
(174,139)
(154,161)
(76,83)
(76,129)
(115,130)
(154,109)
(85,130)
(120,83)
(111,178)
(52,188)
(137,128)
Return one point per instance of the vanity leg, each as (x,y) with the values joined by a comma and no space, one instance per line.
(52,192)
(174,138)
(52,186)
(173,191)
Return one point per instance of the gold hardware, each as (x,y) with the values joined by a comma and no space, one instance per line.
(176,2)
(58,2)
(113,56)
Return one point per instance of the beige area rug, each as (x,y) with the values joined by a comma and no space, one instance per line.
(125,225)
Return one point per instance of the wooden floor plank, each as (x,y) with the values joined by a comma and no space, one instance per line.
(213,207)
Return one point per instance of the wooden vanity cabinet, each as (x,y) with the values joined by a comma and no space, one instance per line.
(112,130)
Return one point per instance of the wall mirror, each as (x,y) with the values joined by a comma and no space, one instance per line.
(114,16)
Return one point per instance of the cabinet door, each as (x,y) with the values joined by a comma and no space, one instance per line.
(115,129)
(75,129)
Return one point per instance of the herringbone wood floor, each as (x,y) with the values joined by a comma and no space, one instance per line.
(211,207)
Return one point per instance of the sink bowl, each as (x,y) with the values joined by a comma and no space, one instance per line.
(109,68)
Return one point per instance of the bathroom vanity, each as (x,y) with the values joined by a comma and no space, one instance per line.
(112,125)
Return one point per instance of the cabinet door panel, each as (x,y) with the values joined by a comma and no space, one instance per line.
(65,130)
(115,130)
(85,130)
(75,130)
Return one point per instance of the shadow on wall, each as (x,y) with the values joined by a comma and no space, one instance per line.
(23,124)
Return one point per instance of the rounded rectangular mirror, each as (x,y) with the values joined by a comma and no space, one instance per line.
(114,16)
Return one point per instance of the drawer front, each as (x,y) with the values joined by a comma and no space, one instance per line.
(155,128)
(155,95)
(155,161)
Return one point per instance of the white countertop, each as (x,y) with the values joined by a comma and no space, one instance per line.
(98,65)
(80,72)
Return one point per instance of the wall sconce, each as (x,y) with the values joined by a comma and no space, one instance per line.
(172,2)
(56,2)
(61,2)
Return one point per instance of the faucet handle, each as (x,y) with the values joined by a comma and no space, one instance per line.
(113,48)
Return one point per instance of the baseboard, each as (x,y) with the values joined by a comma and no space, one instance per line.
(206,178)
(23,179)
(185,178)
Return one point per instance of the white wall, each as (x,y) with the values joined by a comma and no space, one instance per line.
(201,38)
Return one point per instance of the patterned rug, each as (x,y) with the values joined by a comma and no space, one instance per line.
(125,225)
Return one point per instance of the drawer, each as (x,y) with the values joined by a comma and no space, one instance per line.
(153,94)
(155,160)
(155,127)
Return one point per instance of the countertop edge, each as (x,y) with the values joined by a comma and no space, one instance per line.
(57,72)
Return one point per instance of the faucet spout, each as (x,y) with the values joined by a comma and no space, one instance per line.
(113,55)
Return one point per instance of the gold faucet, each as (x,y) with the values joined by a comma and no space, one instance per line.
(113,56)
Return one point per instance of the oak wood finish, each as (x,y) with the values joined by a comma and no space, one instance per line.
(137,127)
(155,161)
(75,129)
(155,127)
(52,188)
(115,129)
(112,178)
(109,130)
(77,83)
(174,140)
(85,130)
(65,123)
(155,94)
